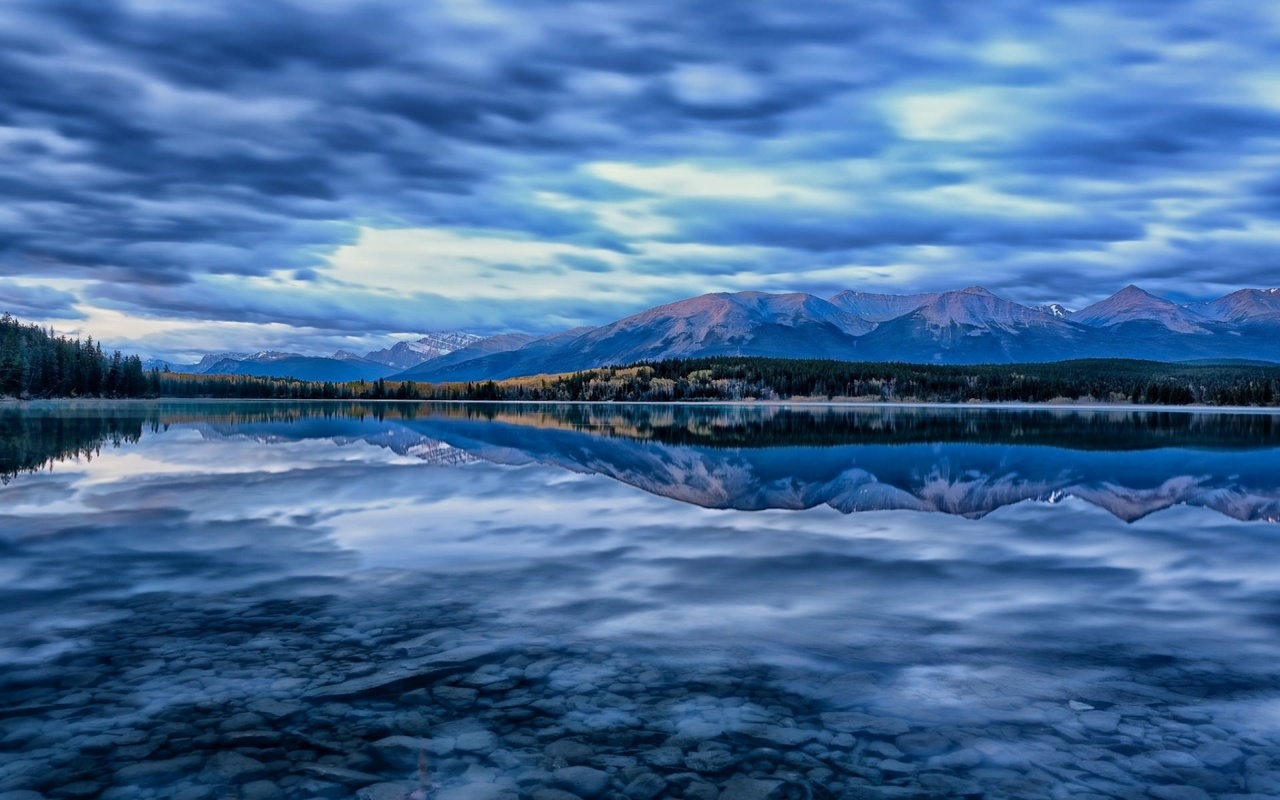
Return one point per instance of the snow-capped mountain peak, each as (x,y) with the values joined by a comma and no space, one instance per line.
(434,345)
(1055,310)
(405,355)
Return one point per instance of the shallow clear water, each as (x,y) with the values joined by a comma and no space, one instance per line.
(480,601)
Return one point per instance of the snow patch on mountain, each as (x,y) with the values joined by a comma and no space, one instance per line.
(1053,309)
(405,355)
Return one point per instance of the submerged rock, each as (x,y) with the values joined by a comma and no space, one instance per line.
(645,786)
(857,722)
(232,768)
(399,674)
(386,791)
(585,782)
(740,787)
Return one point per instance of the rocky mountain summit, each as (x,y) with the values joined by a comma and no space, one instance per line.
(1134,305)
(404,355)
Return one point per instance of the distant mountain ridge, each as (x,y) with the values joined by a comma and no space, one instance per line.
(342,366)
(1132,304)
(306,368)
(1242,305)
(970,325)
(965,326)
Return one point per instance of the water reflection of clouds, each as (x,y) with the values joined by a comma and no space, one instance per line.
(666,568)
(1034,601)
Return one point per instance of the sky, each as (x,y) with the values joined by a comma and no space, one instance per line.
(179,177)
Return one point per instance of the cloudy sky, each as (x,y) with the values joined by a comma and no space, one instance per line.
(177,177)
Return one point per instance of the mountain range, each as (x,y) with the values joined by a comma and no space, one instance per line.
(965,326)
(342,365)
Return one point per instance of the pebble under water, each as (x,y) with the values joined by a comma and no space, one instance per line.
(333,601)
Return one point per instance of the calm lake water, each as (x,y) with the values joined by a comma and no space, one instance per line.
(498,602)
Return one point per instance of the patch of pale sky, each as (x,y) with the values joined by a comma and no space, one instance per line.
(714,86)
(167,7)
(690,251)
(1262,88)
(52,141)
(634,218)
(56,170)
(604,84)
(444,262)
(896,277)
(168,101)
(978,198)
(963,115)
(1012,53)
(692,181)
(581,125)
(73,285)
(186,340)
(118,326)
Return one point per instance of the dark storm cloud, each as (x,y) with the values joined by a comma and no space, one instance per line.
(150,145)
(37,301)
(771,225)
(341,105)
(326,308)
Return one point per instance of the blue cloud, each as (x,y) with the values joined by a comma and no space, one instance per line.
(776,225)
(255,138)
(40,302)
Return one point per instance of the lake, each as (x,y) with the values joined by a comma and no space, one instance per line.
(541,602)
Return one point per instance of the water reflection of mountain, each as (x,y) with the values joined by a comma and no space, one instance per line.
(955,461)
(394,436)
(956,476)
(958,461)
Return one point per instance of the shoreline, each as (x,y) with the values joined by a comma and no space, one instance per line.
(8,402)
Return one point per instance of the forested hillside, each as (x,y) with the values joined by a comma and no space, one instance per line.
(34,364)
(731,378)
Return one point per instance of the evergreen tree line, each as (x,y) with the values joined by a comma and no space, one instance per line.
(250,387)
(747,425)
(34,363)
(727,378)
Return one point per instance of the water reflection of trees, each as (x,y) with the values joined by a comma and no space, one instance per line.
(32,438)
(777,426)
(30,442)
(38,436)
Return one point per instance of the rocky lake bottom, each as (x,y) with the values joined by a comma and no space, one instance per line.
(218,611)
